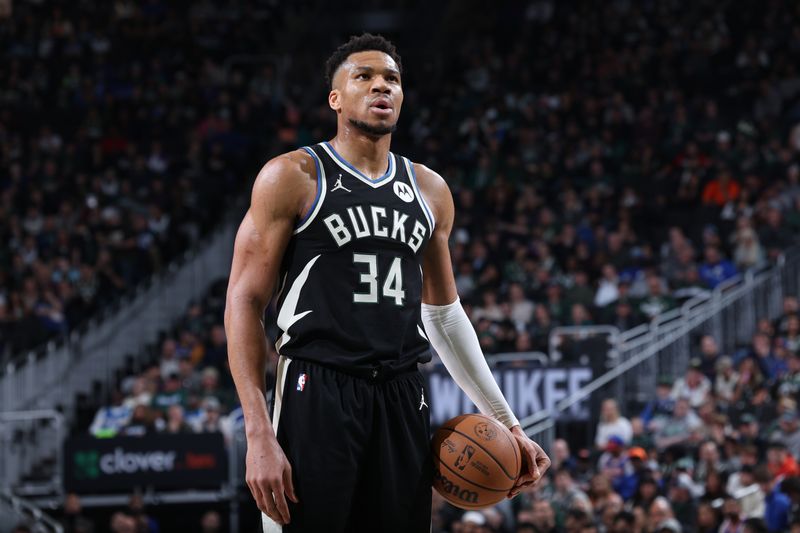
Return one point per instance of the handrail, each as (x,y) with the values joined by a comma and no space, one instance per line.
(499,358)
(13,416)
(26,510)
(663,331)
(13,459)
(553,340)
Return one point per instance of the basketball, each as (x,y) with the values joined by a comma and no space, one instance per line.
(476,461)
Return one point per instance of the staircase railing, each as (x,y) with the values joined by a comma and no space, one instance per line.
(664,346)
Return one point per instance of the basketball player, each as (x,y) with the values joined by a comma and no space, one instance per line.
(355,240)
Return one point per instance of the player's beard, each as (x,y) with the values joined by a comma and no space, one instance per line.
(369,129)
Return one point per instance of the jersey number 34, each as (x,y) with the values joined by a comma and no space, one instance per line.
(392,286)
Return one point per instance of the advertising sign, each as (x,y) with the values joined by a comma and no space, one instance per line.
(528,389)
(180,461)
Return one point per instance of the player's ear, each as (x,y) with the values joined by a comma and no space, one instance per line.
(334,101)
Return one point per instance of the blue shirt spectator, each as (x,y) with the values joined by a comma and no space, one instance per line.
(716,269)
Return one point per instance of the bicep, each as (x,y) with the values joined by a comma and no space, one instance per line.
(438,284)
(257,254)
(264,234)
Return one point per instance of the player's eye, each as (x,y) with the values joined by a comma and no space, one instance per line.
(362,76)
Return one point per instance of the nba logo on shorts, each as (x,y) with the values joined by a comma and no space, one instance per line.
(301,382)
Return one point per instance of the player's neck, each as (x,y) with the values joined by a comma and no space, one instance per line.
(368,154)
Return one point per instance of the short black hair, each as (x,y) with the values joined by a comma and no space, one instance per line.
(791,484)
(756,525)
(627,517)
(360,43)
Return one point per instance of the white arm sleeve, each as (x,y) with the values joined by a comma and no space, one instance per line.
(452,336)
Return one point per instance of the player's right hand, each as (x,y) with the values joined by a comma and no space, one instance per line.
(269,477)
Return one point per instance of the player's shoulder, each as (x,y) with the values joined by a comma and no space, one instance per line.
(289,177)
(286,172)
(287,168)
(433,186)
(428,178)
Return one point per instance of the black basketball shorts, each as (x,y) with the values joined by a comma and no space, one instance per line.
(359,449)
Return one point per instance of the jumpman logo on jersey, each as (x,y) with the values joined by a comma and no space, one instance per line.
(422,401)
(338,185)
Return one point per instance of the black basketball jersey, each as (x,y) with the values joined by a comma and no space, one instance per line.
(351,277)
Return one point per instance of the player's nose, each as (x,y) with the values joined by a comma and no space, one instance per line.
(379,85)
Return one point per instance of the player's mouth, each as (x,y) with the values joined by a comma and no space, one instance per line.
(382,107)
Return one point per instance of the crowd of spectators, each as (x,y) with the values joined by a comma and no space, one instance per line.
(121,137)
(135,517)
(601,172)
(185,385)
(714,450)
(611,160)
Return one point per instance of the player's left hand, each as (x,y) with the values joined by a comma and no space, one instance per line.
(534,462)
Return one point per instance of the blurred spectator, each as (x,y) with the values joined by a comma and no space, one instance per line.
(755,525)
(624,522)
(617,467)
(140,424)
(709,353)
(175,420)
(771,366)
(788,432)
(723,189)
(211,522)
(607,286)
(171,393)
(694,386)
(708,518)
(681,497)
(715,270)
(111,418)
(780,462)
(216,350)
(211,420)
(733,520)
(123,523)
(655,302)
(660,407)
(567,495)
(612,424)
(471,522)
(577,520)
(561,456)
(725,380)
(543,518)
(748,251)
(141,391)
(776,504)
(774,235)
(136,510)
(680,428)
(658,513)
(73,520)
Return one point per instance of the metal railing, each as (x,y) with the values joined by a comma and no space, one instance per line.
(15,510)
(54,378)
(27,439)
(664,346)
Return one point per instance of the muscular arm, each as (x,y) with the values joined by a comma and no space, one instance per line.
(451,333)
(281,193)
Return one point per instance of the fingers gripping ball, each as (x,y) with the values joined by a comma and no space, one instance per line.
(476,461)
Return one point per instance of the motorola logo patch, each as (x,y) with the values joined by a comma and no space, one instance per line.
(403,191)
